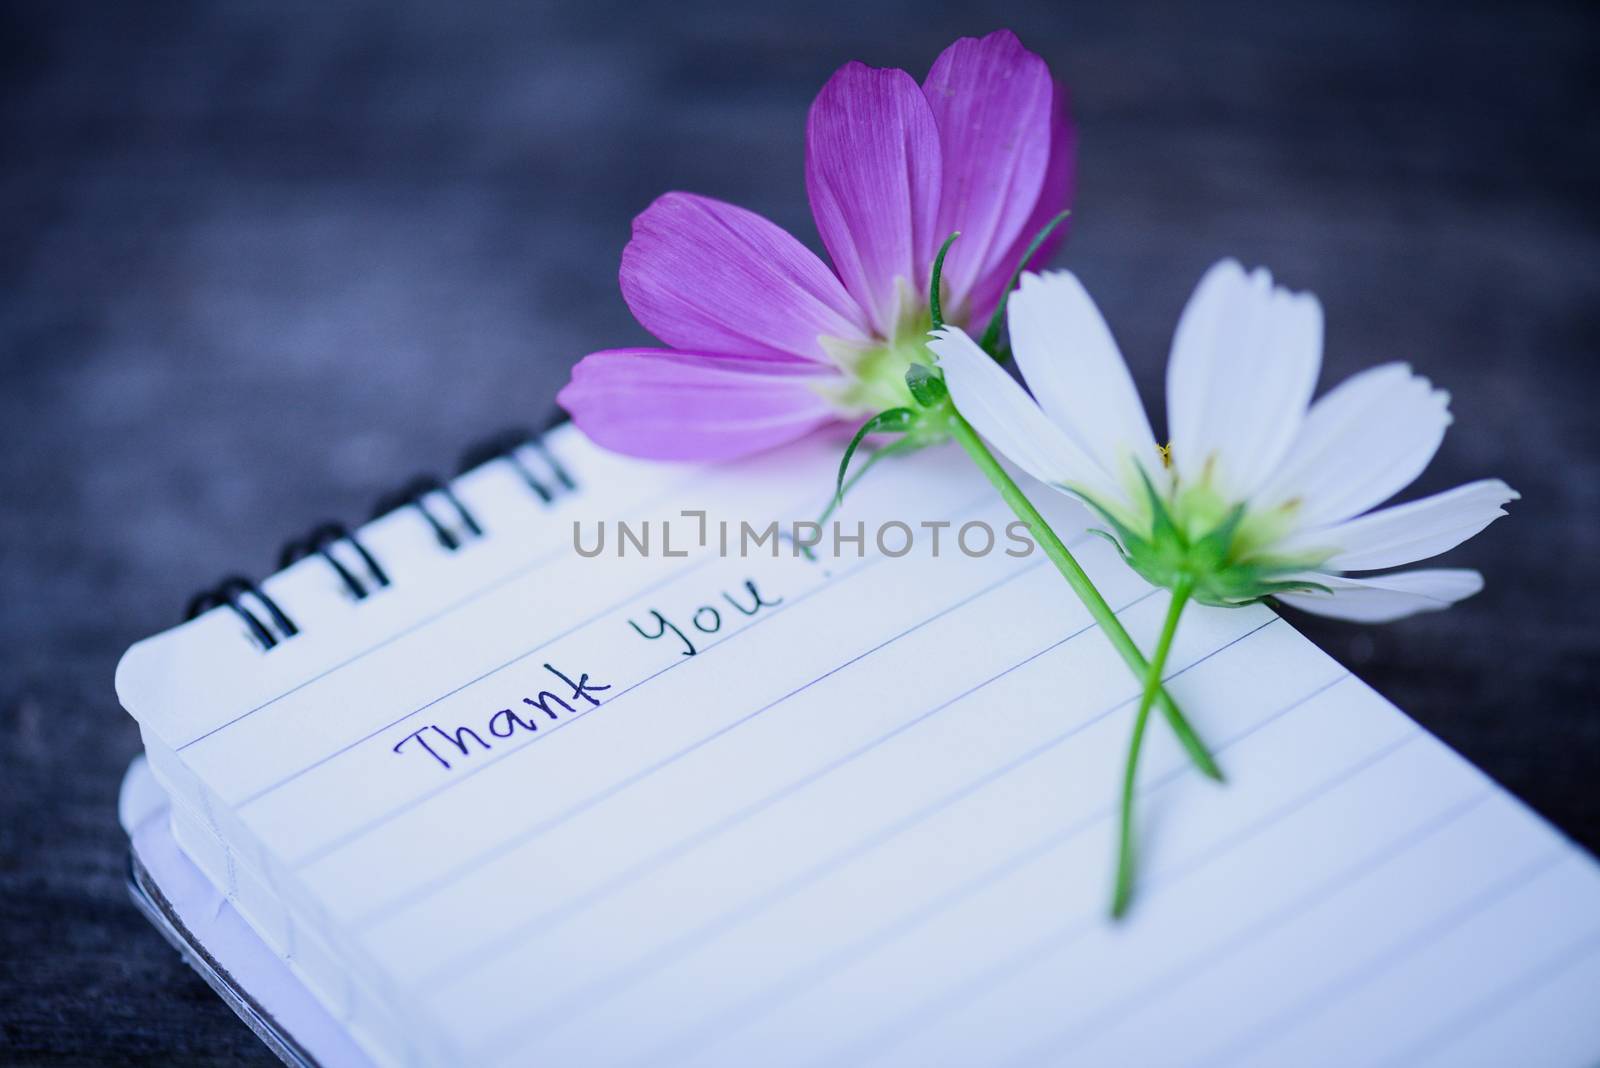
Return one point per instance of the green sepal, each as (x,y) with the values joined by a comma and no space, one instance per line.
(1220,540)
(1162,528)
(991,335)
(1211,552)
(1108,536)
(1168,555)
(894,448)
(1115,544)
(895,420)
(935,279)
(926,385)
(1295,586)
(1120,535)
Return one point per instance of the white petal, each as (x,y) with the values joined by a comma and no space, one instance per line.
(1001,410)
(1076,373)
(1364,441)
(1386,597)
(1244,362)
(1409,532)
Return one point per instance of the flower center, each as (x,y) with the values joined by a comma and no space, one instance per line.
(1172,530)
(875,377)
(1198,510)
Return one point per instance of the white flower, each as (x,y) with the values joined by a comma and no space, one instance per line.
(1260,492)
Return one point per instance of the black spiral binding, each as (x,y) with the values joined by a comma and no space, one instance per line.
(508,445)
(415,494)
(321,541)
(245,598)
(230,591)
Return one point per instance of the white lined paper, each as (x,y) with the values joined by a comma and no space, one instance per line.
(871,823)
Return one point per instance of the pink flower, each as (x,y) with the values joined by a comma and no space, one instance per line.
(766,342)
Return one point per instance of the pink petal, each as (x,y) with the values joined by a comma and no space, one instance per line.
(992,100)
(872,173)
(668,405)
(1060,179)
(701,274)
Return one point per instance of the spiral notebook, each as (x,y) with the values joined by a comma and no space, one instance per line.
(539,768)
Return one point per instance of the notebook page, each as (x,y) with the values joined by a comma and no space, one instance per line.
(311,961)
(869,819)
(277,986)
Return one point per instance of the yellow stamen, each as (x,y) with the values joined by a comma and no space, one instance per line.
(1166,454)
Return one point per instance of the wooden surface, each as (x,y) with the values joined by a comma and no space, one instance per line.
(260,262)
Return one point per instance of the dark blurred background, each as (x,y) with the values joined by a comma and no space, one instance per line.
(261,261)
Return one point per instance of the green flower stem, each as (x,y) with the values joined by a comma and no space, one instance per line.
(1085,589)
(1152,685)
